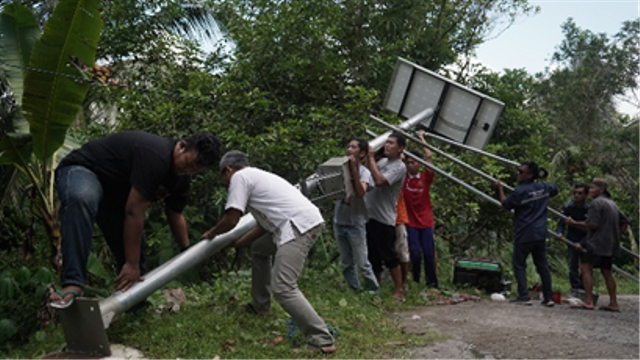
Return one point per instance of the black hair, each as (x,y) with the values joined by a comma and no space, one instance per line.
(363,145)
(414,154)
(402,141)
(535,170)
(583,186)
(207,145)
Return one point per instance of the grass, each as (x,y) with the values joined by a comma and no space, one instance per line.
(208,323)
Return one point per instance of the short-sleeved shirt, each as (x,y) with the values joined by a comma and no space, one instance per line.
(418,199)
(382,201)
(275,204)
(605,239)
(134,158)
(529,200)
(403,217)
(353,212)
(577,213)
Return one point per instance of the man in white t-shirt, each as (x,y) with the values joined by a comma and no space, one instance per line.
(388,175)
(288,226)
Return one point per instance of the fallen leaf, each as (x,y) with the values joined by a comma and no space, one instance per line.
(278,340)
(174,297)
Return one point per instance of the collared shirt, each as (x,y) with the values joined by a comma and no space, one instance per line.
(275,204)
(604,240)
(529,200)
(417,197)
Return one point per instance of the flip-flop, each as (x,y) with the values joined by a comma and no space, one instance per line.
(582,306)
(63,294)
(608,308)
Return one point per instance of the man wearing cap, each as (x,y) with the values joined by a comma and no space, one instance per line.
(288,226)
(603,243)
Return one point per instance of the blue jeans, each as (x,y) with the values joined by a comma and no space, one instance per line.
(422,245)
(352,245)
(537,249)
(84,201)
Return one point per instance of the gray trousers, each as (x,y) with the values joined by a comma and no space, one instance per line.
(281,279)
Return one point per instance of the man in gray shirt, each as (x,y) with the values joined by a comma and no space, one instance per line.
(603,242)
(388,175)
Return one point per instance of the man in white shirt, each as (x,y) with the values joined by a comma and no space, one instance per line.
(289,225)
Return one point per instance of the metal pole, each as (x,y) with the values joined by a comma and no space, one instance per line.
(625,273)
(469,167)
(379,141)
(629,252)
(480,193)
(440,138)
(121,301)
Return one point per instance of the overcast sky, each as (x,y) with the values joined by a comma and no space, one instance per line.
(531,41)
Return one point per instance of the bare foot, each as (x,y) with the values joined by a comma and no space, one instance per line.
(398,296)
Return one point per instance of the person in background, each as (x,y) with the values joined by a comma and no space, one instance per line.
(388,174)
(350,218)
(577,210)
(113,181)
(288,227)
(529,201)
(416,192)
(604,223)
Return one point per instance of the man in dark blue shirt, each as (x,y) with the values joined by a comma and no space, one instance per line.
(529,201)
(577,210)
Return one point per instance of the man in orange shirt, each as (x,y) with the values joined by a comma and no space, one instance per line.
(402,247)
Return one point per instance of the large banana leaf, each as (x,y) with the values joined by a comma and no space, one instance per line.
(15,149)
(51,100)
(18,31)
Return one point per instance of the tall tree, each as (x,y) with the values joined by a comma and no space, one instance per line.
(579,97)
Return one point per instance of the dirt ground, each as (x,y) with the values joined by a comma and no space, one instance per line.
(497,330)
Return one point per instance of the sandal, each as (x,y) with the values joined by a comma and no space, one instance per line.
(62,303)
(582,306)
(249,308)
(324,349)
(608,308)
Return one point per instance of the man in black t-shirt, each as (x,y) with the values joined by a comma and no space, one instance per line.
(577,210)
(112,182)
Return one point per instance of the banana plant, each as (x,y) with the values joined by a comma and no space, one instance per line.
(38,66)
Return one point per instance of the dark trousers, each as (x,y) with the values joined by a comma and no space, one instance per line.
(538,250)
(573,260)
(422,245)
(381,239)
